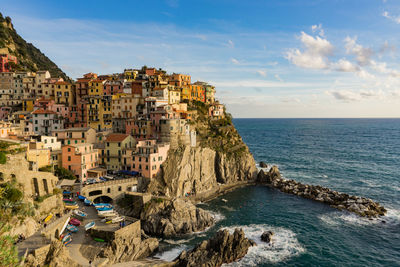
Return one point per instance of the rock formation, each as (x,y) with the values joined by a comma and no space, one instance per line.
(220,249)
(124,249)
(267,236)
(199,170)
(55,254)
(362,206)
(165,218)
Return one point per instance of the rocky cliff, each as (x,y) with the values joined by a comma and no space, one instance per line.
(165,218)
(222,248)
(220,158)
(29,57)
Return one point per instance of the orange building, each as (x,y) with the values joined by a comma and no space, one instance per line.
(197,92)
(79,159)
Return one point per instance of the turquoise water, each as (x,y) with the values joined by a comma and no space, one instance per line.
(356,156)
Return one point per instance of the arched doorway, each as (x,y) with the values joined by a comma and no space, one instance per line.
(46,188)
(35,187)
(103,199)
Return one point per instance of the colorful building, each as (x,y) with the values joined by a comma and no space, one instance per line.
(7,62)
(73,136)
(148,157)
(115,151)
(79,159)
(64,93)
(46,121)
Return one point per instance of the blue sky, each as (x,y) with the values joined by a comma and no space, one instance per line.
(314,58)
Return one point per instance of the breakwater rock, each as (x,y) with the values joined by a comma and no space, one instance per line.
(222,248)
(364,207)
(166,218)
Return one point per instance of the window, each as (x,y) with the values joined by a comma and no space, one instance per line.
(69,149)
(69,158)
(119,188)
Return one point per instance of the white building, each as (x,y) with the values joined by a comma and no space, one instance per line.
(50,142)
(46,121)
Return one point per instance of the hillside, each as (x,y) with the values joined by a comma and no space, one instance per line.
(29,57)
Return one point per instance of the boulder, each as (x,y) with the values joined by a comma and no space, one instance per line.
(263,164)
(267,236)
(166,218)
(222,248)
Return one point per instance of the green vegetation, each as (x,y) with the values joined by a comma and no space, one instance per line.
(63,173)
(217,134)
(29,57)
(47,168)
(11,206)
(3,158)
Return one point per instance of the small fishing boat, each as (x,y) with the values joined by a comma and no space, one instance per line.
(80,197)
(224,200)
(68,200)
(108,214)
(75,222)
(98,239)
(80,213)
(71,207)
(116,219)
(100,205)
(71,202)
(67,239)
(104,208)
(104,211)
(87,202)
(89,225)
(72,228)
(48,218)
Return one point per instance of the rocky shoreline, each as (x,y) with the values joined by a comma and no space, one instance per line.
(361,206)
(222,248)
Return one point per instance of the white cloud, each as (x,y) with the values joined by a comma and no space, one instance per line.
(345,66)
(235,61)
(262,73)
(363,55)
(231,44)
(318,28)
(315,54)
(387,15)
(345,95)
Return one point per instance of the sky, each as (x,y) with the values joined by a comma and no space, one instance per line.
(267,59)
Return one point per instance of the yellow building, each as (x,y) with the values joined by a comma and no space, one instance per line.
(95,113)
(64,93)
(185,93)
(130,75)
(96,87)
(117,150)
(27,104)
(38,155)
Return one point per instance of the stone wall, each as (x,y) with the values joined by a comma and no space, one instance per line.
(34,183)
(113,189)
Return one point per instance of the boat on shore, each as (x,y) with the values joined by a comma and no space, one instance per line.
(104,208)
(80,213)
(48,218)
(80,197)
(72,228)
(71,207)
(75,222)
(108,214)
(87,202)
(90,225)
(66,239)
(116,219)
(104,211)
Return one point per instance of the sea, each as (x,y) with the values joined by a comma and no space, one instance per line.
(355,156)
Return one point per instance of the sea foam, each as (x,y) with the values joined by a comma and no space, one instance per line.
(283,246)
(171,254)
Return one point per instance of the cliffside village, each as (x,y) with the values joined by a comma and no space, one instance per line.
(101,125)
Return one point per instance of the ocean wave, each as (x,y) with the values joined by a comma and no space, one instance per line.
(339,217)
(216,215)
(228,208)
(170,255)
(179,241)
(284,245)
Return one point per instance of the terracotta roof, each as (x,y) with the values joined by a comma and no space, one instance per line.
(116,137)
(41,111)
(62,83)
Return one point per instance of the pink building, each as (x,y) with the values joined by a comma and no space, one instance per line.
(49,104)
(148,157)
(79,159)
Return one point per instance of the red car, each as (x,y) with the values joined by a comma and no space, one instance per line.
(75,222)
